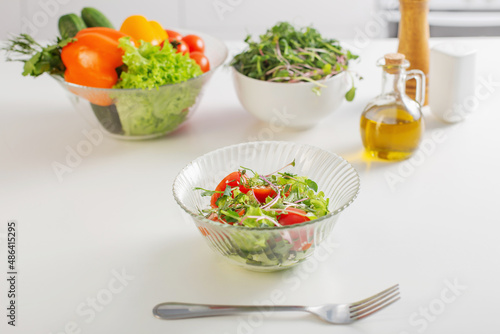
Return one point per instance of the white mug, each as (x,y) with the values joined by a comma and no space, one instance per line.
(452,81)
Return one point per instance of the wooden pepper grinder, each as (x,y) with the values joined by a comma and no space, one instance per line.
(414,40)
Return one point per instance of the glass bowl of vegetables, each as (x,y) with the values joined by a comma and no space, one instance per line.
(145,113)
(139,82)
(295,72)
(266,206)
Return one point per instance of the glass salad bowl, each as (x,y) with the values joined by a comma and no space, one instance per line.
(266,248)
(145,113)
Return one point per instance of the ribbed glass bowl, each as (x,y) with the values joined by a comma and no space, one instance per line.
(145,113)
(271,248)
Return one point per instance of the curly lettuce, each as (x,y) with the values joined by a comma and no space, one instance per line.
(150,66)
(159,106)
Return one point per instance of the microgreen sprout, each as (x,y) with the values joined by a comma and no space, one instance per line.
(287,54)
(274,201)
(279,170)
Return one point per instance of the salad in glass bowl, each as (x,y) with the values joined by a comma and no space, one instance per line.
(266,213)
(251,199)
(138,82)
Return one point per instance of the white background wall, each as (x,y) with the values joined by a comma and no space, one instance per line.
(227,19)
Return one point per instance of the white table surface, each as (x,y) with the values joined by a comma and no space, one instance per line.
(438,226)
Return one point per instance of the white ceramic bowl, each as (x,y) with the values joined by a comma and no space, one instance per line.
(294,105)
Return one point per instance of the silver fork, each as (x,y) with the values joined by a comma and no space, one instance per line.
(332,313)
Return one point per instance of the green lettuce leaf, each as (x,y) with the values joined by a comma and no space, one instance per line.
(150,66)
(159,107)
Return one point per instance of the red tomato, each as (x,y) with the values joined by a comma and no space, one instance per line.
(299,238)
(201,60)
(293,216)
(180,46)
(262,193)
(195,43)
(173,35)
(232,180)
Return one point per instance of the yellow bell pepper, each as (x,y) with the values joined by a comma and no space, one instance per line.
(139,28)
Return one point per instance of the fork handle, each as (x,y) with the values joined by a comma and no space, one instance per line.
(170,311)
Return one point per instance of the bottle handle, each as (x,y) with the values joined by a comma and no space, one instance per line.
(419,76)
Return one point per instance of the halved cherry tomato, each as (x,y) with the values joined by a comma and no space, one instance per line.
(299,238)
(293,216)
(262,193)
(201,60)
(172,34)
(232,180)
(195,43)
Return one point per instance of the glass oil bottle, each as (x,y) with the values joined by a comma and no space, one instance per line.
(392,124)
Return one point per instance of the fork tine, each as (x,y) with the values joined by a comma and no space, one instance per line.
(372,300)
(389,290)
(374,303)
(360,314)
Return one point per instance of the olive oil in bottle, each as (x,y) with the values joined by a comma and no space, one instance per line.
(392,124)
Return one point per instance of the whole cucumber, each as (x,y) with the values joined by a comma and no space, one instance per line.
(108,117)
(94,18)
(69,25)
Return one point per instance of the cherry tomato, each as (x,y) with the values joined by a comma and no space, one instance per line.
(293,216)
(262,193)
(299,239)
(195,43)
(201,60)
(180,46)
(172,34)
(232,180)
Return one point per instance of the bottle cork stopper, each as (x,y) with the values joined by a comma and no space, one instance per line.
(393,61)
(394,58)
